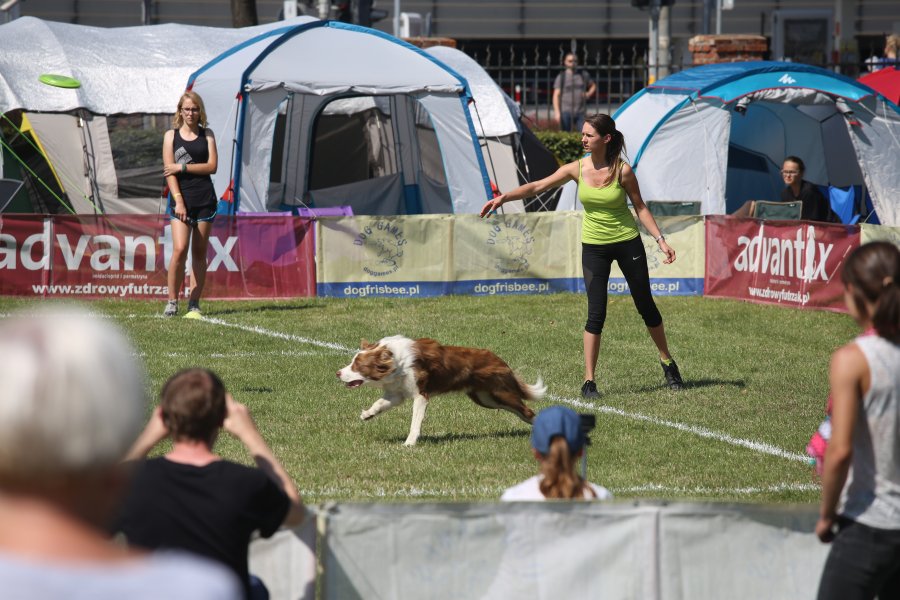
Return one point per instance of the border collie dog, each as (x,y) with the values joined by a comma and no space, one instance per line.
(405,368)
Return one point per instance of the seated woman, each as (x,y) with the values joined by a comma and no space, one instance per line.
(815,206)
(557,441)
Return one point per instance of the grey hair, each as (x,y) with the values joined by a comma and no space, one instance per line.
(71,394)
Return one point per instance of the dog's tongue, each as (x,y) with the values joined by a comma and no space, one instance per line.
(354,384)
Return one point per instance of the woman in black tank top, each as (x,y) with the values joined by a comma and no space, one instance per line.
(189,158)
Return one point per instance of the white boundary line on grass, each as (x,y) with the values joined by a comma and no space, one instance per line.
(694,429)
(760,447)
(277,334)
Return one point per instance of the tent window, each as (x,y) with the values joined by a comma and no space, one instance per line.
(353,140)
(136,142)
(429,149)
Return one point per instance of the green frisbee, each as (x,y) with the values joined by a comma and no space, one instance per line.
(59,81)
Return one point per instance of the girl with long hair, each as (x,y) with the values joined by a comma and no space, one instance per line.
(860,507)
(557,440)
(189,159)
(608,233)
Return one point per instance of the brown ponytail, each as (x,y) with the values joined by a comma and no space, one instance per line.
(558,469)
(873,273)
(605,125)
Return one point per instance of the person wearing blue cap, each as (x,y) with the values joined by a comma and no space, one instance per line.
(557,441)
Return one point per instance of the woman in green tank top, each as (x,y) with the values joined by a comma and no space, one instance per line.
(608,233)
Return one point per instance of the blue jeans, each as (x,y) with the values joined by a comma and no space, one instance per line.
(569,121)
(864,562)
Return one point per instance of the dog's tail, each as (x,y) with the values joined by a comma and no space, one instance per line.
(533,392)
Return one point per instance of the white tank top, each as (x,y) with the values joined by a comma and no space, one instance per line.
(871,495)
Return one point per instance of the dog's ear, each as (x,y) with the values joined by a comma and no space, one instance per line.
(385,362)
(363,344)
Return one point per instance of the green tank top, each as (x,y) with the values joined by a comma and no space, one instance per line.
(606,219)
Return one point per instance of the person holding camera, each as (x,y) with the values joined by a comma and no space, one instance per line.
(192,499)
(557,440)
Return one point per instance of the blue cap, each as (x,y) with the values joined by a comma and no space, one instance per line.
(557,421)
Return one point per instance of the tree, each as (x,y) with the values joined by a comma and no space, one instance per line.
(243,13)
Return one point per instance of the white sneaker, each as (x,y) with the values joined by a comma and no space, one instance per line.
(171,308)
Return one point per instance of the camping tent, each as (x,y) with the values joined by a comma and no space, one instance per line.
(512,153)
(135,71)
(718,134)
(326,113)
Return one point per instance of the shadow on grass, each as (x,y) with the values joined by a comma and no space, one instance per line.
(258,309)
(257,389)
(696,384)
(459,437)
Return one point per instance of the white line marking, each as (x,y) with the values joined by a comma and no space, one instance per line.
(760,447)
(695,429)
(277,334)
(285,353)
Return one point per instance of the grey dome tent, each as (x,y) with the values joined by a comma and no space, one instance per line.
(327,114)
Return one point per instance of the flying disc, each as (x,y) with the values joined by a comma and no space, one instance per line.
(62,81)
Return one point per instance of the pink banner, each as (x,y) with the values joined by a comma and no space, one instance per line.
(127,256)
(794,263)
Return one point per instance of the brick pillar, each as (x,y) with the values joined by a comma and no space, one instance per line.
(708,49)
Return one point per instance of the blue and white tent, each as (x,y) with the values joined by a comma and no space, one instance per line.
(719,133)
(325,113)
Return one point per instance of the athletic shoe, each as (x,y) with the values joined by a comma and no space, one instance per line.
(193,311)
(589,390)
(171,308)
(673,376)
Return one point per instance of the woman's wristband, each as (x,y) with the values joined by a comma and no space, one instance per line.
(659,237)
(177,195)
(184,167)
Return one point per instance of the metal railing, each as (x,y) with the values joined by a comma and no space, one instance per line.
(527,75)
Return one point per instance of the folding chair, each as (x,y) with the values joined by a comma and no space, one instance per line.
(764,209)
(673,209)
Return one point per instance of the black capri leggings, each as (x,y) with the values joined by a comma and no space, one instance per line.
(596,261)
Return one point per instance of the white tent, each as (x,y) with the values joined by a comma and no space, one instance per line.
(138,71)
(496,119)
(325,114)
(719,133)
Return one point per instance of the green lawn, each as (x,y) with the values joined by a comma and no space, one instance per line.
(756,386)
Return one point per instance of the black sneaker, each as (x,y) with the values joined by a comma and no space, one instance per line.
(673,376)
(589,390)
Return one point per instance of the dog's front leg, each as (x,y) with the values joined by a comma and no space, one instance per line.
(379,406)
(420,403)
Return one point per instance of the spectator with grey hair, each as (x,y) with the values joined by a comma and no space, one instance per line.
(71,404)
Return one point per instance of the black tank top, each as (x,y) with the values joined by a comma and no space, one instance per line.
(197,190)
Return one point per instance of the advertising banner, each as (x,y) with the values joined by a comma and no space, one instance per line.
(521,253)
(870,233)
(794,263)
(127,256)
(400,256)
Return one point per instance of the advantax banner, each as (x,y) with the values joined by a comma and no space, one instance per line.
(127,256)
(795,263)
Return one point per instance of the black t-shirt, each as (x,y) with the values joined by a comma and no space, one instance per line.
(210,510)
(815,206)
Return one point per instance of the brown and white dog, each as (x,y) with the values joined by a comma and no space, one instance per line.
(406,368)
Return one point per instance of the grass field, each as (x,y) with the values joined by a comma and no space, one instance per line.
(756,384)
